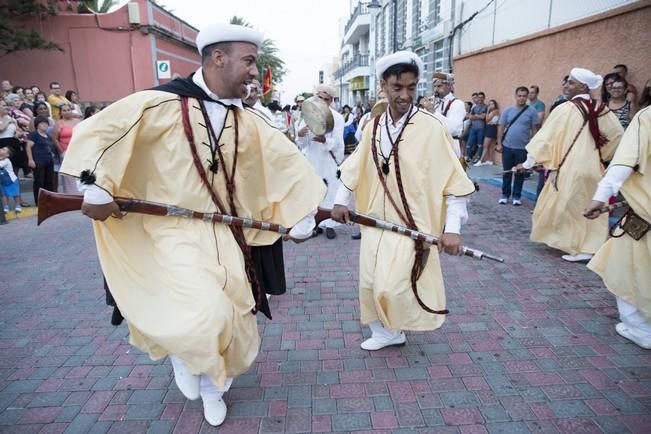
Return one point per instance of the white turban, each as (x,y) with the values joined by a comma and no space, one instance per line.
(388,61)
(221,32)
(587,77)
(326,89)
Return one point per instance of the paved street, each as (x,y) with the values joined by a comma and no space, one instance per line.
(529,346)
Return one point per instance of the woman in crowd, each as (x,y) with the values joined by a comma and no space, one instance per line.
(40,149)
(490,134)
(349,130)
(41,109)
(61,136)
(72,96)
(609,79)
(90,110)
(645,95)
(617,102)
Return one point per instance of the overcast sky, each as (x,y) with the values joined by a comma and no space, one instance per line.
(305,31)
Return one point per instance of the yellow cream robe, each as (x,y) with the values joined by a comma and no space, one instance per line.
(430,171)
(181,283)
(623,263)
(558,217)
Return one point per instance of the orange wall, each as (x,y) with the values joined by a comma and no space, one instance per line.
(102,59)
(597,43)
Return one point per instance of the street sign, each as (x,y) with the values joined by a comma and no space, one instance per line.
(163,69)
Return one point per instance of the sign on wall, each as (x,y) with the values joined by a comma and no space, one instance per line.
(163,69)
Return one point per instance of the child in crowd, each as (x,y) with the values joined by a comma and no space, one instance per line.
(9,181)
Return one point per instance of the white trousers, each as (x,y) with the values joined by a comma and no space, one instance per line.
(208,390)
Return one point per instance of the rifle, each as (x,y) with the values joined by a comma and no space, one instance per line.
(50,203)
(373,222)
(612,207)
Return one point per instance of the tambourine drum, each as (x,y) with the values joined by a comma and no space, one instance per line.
(379,108)
(317,116)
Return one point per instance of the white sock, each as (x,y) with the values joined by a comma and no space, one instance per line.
(378,330)
(633,318)
(211,392)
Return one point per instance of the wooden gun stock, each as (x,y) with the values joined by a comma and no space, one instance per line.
(50,203)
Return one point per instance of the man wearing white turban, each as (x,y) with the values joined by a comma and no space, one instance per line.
(188,288)
(324,152)
(405,171)
(575,142)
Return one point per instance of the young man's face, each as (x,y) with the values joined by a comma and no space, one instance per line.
(441,88)
(55,89)
(6,85)
(521,97)
(480,98)
(574,88)
(326,98)
(400,92)
(533,94)
(239,69)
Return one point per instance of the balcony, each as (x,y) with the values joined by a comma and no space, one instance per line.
(358,25)
(358,61)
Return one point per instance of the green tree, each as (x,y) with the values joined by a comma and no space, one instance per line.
(98,6)
(268,56)
(14,38)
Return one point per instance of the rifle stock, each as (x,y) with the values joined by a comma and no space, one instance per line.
(50,203)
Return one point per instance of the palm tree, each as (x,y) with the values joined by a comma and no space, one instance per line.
(267,57)
(98,6)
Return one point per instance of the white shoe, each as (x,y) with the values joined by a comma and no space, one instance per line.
(488,163)
(517,202)
(477,164)
(503,201)
(581,257)
(629,333)
(377,342)
(214,411)
(188,384)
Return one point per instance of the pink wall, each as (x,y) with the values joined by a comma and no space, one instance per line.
(103,58)
(619,36)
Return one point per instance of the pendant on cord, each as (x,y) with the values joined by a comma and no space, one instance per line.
(385,167)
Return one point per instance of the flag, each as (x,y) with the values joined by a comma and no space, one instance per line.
(266,85)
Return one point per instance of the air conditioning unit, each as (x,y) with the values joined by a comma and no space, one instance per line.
(134,13)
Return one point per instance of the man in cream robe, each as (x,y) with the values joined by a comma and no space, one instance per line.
(324,152)
(181,283)
(567,146)
(434,184)
(624,263)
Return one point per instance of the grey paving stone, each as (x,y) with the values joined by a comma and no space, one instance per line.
(459,399)
(82,423)
(351,422)
(570,408)
(324,406)
(147,397)
(507,428)
(624,402)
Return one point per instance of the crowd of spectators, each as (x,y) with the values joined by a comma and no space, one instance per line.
(35,130)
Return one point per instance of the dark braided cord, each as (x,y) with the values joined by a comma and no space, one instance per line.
(419,265)
(238,232)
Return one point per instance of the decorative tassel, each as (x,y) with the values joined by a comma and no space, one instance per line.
(87,177)
(338,174)
(385,167)
(214,166)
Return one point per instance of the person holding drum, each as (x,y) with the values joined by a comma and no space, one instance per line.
(405,171)
(320,135)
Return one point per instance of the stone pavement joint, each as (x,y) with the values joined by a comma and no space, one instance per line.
(529,346)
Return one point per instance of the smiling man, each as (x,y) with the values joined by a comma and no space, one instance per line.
(405,171)
(188,287)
